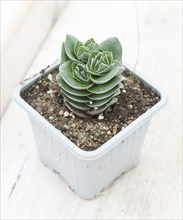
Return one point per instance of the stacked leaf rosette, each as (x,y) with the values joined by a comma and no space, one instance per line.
(90,75)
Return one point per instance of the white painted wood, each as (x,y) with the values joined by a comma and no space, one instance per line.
(22,39)
(153,189)
(13,13)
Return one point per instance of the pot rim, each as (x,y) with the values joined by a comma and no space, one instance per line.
(111,143)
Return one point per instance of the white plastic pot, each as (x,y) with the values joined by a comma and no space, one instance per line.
(88,173)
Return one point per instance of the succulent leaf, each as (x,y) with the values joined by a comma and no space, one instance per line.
(102,108)
(100,63)
(67,75)
(82,50)
(117,69)
(99,89)
(80,99)
(98,103)
(79,72)
(77,105)
(69,89)
(106,94)
(113,45)
(64,57)
(69,45)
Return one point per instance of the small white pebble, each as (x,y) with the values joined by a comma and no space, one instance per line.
(66,114)
(51,117)
(124,90)
(95,108)
(108,132)
(100,117)
(50,77)
(49,91)
(130,106)
(61,112)
(37,87)
(91,103)
(66,126)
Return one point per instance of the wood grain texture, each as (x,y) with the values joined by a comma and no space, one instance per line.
(27,36)
(153,190)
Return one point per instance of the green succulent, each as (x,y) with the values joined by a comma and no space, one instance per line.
(75,50)
(79,72)
(100,63)
(90,75)
(82,50)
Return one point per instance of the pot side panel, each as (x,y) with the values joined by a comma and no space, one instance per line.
(87,178)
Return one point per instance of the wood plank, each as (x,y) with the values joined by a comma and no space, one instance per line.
(23,42)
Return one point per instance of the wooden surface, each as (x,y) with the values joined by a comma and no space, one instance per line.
(153,190)
(22,40)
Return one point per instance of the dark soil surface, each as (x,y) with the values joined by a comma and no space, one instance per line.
(89,134)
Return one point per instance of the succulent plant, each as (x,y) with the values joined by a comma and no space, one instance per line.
(90,75)
(83,50)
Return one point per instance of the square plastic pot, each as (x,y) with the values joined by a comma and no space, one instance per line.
(88,173)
